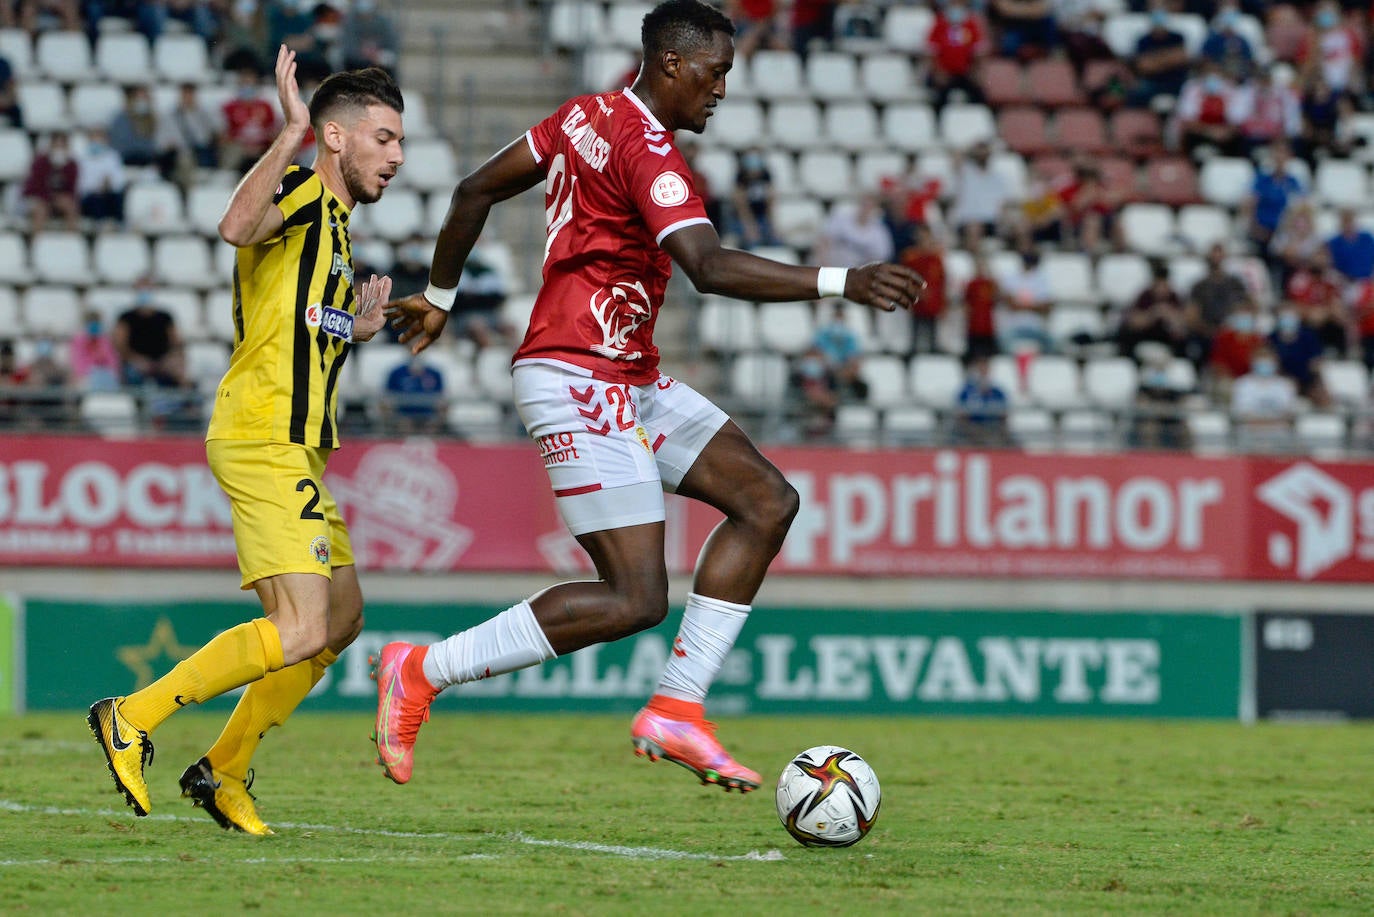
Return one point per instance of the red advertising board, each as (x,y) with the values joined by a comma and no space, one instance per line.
(439,506)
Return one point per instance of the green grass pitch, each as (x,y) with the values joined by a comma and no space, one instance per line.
(536,814)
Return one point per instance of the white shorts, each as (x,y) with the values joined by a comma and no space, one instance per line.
(611,449)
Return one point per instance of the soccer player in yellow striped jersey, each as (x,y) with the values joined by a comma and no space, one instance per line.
(296,315)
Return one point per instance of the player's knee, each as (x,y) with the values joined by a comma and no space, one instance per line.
(773,506)
(343,633)
(634,614)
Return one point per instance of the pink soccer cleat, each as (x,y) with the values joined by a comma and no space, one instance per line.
(692,744)
(403,699)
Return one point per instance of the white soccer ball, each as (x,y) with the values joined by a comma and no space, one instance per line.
(828,797)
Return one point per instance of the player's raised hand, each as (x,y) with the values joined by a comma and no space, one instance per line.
(292,107)
(884,286)
(419,321)
(368,319)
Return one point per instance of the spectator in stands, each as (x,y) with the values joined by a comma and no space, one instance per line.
(1234,347)
(1226,47)
(134,130)
(1263,401)
(370,38)
(1205,110)
(1265,112)
(957,40)
(250,121)
(907,206)
(982,295)
(812,21)
(10,113)
(858,20)
(101,180)
(12,377)
(1352,249)
(1323,111)
(980,197)
(1295,241)
(1027,301)
(410,272)
(751,201)
(926,256)
(980,408)
(1157,422)
(50,188)
(1160,63)
(1156,315)
(92,356)
(188,135)
(1273,189)
(854,234)
(1080,29)
(1333,50)
(758,24)
(1026,28)
(48,403)
(477,306)
(1362,315)
(149,343)
(1093,206)
(288,23)
(1210,303)
(843,353)
(34,16)
(414,402)
(815,386)
(1317,293)
(1299,351)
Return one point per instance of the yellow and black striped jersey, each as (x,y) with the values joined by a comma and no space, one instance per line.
(293,323)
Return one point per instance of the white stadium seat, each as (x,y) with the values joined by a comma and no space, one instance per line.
(623,21)
(16,154)
(17,47)
(14,261)
(1148,228)
(61,257)
(52,309)
(794,125)
(1200,225)
(185,261)
(963,125)
(888,77)
(1121,31)
(886,376)
(1342,183)
(727,325)
(121,257)
(1011,166)
(154,207)
(1070,277)
(910,126)
(1110,381)
(398,214)
(477,421)
(1085,431)
(186,310)
(1209,430)
(787,327)
(11,315)
(575,23)
(777,75)
(180,57)
(417,121)
(205,205)
(218,310)
(936,379)
(206,362)
(45,107)
(907,28)
(1185,271)
(759,378)
(827,174)
(492,373)
(797,219)
(857,424)
(64,56)
(110,413)
(719,167)
(737,125)
(832,76)
(872,167)
(1322,434)
(124,57)
(1031,428)
(852,125)
(94,105)
(910,426)
(1226,180)
(430,166)
(603,68)
(1347,382)
(1052,382)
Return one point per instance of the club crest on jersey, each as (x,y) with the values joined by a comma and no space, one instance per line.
(320,549)
(668,190)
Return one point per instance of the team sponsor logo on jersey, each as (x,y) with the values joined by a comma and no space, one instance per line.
(314,314)
(557,448)
(337,323)
(590,145)
(320,548)
(668,190)
(340,266)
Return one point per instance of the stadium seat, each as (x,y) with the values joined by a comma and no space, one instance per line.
(124,57)
(859,318)
(833,76)
(206,362)
(910,426)
(373,254)
(958,270)
(1172,180)
(64,57)
(1024,129)
(1226,180)
(886,376)
(154,207)
(1347,381)
(1322,434)
(573,24)
(603,69)
(1053,382)
(887,77)
(14,262)
(110,413)
(430,166)
(857,425)
(1119,174)
(623,21)
(1052,82)
(1003,82)
(185,260)
(782,165)
(1065,324)
(1210,431)
(94,105)
(477,421)
(719,166)
(1121,31)
(1136,132)
(16,47)
(827,174)
(759,379)
(1200,225)
(1193,28)
(797,219)
(786,327)
(910,127)
(1031,428)
(179,57)
(417,121)
(217,307)
(121,257)
(11,314)
(737,125)
(1342,183)
(961,126)
(61,257)
(1085,431)
(16,154)
(1011,166)
(1185,271)
(852,125)
(52,309)
(1121,277)
(907,28)
(726,326)
(936,379)
(1070,277)
(1098,73)
(779,253)
(398,214)
(187,311)
(872,167)
(1080,130)
(794,125)
(1182,374)
(1148,228)
(777,74)
(44,105)
(1360,126)
(205,205)
(1110,382)
(375,362)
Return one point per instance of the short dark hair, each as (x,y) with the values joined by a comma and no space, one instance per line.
(684,25)
(354,89)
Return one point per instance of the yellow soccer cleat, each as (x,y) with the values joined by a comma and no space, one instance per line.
(127,751)
(226,798)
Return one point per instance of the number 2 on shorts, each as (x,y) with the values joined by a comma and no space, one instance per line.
(308,511)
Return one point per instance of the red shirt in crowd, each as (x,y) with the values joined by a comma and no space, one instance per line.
(954,44)
(1232,350)
(930,264)
(980,300)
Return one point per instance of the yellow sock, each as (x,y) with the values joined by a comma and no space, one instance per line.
(239,655)
(267,703)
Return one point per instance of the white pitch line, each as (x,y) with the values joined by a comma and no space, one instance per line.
(519,837)
(113,861)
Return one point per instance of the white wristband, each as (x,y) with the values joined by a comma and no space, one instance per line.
(440,298)
(830,281)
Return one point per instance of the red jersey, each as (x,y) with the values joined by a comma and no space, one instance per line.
(931,266)
(1232,351)
(954,44)
(615,188)
(980,299)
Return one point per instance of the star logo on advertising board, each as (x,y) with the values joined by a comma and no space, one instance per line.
(162,643)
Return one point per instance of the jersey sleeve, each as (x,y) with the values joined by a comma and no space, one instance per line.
(543,137)
(298,189)
(659,181)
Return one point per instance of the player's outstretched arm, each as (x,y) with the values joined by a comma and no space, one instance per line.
(713,268)
(251,217)
(421,318)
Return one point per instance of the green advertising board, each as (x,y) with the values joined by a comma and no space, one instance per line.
(9,657)
(787,660)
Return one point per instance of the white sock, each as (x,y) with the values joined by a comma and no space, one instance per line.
(709,629)
(511,640)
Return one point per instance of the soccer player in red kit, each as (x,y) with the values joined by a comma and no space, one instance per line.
(614,431)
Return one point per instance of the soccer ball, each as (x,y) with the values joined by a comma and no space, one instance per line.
(828,797)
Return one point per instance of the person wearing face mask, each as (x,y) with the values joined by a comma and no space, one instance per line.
(980,408)
(1233,348)
(101,180)
(1299,352)
(148,342)
(250,121)
(1225,46)
(189,134)
(50,187)
(958,39)
(133,131)
(1157,422)
(92,356)
(751,201)
(1263,403)
(1332,50)
(1204,115)
(1160,63)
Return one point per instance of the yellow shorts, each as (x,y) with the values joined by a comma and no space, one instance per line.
(285,519)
